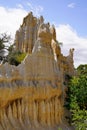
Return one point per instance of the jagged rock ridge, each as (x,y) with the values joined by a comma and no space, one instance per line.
(32,94)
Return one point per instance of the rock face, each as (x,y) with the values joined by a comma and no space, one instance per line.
(32,94)
(26,36)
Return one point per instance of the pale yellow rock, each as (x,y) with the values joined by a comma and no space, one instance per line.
(32,95)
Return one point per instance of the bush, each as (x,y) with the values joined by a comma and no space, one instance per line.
(15,57)
(77,101)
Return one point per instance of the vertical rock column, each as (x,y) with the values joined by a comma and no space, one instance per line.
(42,115)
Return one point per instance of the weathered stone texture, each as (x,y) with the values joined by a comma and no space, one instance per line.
(32,94)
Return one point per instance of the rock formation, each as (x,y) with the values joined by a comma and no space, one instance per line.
(32,94)
(26,36)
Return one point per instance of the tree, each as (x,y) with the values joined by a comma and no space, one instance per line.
(77,99)
(4,40)
(82,69)
(13,57)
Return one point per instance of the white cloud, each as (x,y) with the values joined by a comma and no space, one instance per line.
(20,6)
(70,39)
(71,5)
(10,19)
(35,9)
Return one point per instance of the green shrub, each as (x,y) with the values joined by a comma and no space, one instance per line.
(77,102)
(15,58)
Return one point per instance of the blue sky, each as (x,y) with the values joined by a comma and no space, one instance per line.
(72,12)
(69,17)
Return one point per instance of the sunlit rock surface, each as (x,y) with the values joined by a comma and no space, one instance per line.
(32,95)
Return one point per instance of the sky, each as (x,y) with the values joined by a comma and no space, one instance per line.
(68,16)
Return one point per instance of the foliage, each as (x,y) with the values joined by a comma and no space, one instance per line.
(77,99)
(11,48)
(4,40)
(15,57)
(78,89)
(1,45)
(59,128)
(82,69)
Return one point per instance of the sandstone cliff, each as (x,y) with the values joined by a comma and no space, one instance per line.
(32,94)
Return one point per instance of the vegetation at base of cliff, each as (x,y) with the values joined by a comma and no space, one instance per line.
(77,98)
(16,57)
(13,57)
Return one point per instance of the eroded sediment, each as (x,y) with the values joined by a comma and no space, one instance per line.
(25,106)
(32,94)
